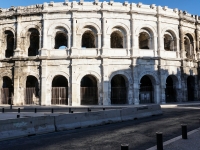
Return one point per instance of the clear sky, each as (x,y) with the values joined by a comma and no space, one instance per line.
(191,6)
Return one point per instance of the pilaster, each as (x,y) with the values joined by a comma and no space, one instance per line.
(45,90)
(106,92)
(18,52)
(44,37)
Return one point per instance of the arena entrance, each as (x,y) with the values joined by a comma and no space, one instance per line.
(190,88)
(146,90)
(59,94)
(7,91)
(32,91)
(170,92)
(89,90)
(118,90)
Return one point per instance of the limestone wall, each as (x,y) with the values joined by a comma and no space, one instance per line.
(149,40)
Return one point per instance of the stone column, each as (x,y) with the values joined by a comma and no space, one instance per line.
(45,89)
(136,92)
(157,92)
(197,42)
(74,48)
(18,52)
(99,44)
(44,45)
(132,35)
(16,98)
(75,86)
(163,95)
(155,46)
(105,39)
(177,47)
(128,44)
(106,92)
(1,42)
(69,44)
(182,49)
(159,31)
(69,41)
(136,86)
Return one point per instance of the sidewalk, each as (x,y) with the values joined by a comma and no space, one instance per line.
(192,143)
(180,104)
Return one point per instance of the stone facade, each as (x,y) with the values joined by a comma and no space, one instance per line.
(130,53)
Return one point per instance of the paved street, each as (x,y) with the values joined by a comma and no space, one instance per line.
(140,134)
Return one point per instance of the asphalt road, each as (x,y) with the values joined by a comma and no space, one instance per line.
(140,134)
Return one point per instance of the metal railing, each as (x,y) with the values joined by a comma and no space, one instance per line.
(31,96)
(59,96)
(6,96)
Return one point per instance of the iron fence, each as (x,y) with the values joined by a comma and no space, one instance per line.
(6,96)
(89,95)
(59,96)
(170,94)
(118,95)
(31,96)
(146,94)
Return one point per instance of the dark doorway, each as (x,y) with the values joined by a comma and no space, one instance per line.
(7,91)
(146,90)
(32,91)
(116,40)
(118,90)
(190,88)
(170,91)
(34,42)
(88,40)
(10,44)
(60,40)
(89,90)
(59,94)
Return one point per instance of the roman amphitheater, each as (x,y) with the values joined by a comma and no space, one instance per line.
(98,53)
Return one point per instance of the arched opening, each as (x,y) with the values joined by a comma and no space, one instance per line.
(7,91)
(190,88)
(34,42)
(88,39)
(59,94)
(145,39)
(170,91)
(189,46)
(32,91)
(169,44)
(61,40)
(146,90)
(118,90)
(89,90)
(117,39)
(10,44)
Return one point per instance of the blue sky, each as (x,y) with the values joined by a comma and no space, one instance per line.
(191,6)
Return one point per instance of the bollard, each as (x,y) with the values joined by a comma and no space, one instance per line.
(35,110)
(159,139)
(89,110)
(69,110)
(124,146)
(18,116)
(18,110)
(184,131)
(10,106)
(3,110)
(52,110)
